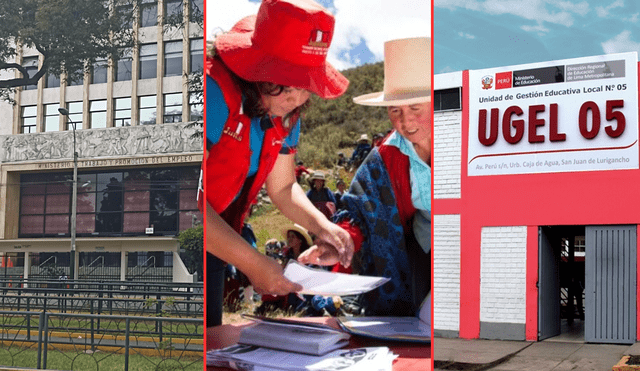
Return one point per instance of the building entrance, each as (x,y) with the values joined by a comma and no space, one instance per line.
(586,286)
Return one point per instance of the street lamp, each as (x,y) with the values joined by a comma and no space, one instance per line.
(72,268)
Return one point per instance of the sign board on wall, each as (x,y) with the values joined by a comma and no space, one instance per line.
(569,115)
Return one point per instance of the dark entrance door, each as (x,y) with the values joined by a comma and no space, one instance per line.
(610,292)
(548,285)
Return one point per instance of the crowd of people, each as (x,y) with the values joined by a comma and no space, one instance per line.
(377,227)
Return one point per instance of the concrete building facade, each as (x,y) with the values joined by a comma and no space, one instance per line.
(528,254)
(138,160)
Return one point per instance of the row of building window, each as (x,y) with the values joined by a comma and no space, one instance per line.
(172,8)
(121,112)
(122,72)
(110,203)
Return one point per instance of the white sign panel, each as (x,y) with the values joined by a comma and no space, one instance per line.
(569,115)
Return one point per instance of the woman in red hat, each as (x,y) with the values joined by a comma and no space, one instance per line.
(259,79)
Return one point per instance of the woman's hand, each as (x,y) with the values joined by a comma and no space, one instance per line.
(268,279)
(332,237)
(320,255)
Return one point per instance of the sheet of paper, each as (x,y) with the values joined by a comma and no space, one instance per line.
(246,357)
(389,328)
(321,282)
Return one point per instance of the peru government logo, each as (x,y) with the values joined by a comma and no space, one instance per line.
(487,82)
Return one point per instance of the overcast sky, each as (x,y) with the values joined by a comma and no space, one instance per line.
(361,29)
(476,34)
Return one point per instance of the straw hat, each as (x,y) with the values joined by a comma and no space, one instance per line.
(363,138)
(286,43)
(300,229)
(317,175)
(407,74)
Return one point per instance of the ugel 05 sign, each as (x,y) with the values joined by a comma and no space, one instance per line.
(569,115)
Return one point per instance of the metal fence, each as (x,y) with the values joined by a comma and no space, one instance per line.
(66,341)
(113,298)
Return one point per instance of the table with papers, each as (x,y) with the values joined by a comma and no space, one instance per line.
(410,356)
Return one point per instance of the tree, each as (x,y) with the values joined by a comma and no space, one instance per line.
(69,34)
(192,242)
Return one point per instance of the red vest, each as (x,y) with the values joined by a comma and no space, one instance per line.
(228,161)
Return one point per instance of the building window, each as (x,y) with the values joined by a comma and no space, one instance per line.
(447,100)
(28,119)
(173,107)
(31,65)
(124,12)
(196,7)
(173,9)
(147,110)
(148,61)
(173,58)
(148,13)
(78,80)
(51,117)
(196,55)
(196,108)
(98,114)
(123,66)
(122,112)
(45,204)
(99,71)
(75,115)
(52,81)
(110,203)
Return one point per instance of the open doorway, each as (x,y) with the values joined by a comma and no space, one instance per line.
(586,284)
(562,283)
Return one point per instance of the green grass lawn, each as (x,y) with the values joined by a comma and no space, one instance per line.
(57,360)
(116,327)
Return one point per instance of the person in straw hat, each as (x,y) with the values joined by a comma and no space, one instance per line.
(259,76)
(321,196)
(392,187)
(362,150)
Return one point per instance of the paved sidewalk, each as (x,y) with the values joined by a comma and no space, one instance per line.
(499,355)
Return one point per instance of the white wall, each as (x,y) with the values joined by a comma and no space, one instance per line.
(6,109)
(504,272)
(447,151)
(446,277)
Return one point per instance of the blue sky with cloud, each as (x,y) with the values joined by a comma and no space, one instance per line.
(361,28)
(476,34)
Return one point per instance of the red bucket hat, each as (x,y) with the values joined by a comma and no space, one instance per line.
(286,43)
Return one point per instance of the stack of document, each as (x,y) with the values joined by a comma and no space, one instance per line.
(247,357)
(292,336)
(408,329)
